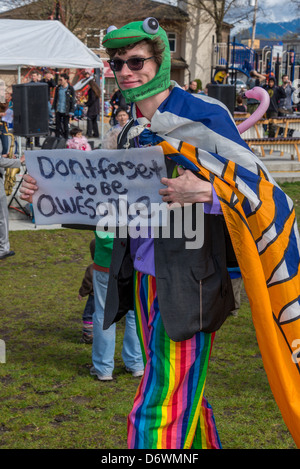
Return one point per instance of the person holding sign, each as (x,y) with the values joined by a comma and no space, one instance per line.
(170,398)
(183,294)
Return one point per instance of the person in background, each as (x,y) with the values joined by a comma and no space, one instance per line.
(255,79)
(48,78)
(35,78)
(240,107)
(63,105)
(286,104)
(192,87)
(111,137)
(86,289)
(93,105)
(3,129)
(6,163)
(8,117)
(117,100)
(276,93)
(204,91)
(104,341)
(220,76)
(78,141)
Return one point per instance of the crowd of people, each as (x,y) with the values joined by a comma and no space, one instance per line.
(175,298)
(281,103)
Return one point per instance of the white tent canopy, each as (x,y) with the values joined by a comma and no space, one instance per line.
(44,44)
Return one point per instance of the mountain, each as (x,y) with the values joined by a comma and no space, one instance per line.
(272,30)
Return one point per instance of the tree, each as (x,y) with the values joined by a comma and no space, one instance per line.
(220,11)
(73,14)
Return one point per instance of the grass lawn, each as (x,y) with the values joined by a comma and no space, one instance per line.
(48,399)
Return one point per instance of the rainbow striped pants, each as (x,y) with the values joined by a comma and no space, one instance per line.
(169,410)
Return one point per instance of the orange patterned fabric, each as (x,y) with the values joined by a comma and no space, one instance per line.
(263,229)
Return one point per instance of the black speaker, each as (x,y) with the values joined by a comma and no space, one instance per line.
(60,143)
(49,143)
(224,93)
(30,104)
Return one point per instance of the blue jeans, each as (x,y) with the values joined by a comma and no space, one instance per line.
(103,348)
(89,309)
(4,142)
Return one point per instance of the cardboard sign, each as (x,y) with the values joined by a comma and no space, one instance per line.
(106,186)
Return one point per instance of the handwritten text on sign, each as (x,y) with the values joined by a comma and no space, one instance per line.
(77,187)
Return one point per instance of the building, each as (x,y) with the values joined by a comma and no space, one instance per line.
(191,34)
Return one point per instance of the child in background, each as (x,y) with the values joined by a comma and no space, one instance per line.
(240,107)
(110,139)
(86,289)
(78,141)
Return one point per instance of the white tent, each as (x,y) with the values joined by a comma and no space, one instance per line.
(44,44)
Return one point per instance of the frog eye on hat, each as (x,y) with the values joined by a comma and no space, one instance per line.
(110,28)
(150,25)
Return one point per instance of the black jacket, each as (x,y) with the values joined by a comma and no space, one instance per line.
(276,93)
(93,104)
(70,99)
(193,285)
(51,84)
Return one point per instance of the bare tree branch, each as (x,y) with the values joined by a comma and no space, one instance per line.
(220,11)
(73,13)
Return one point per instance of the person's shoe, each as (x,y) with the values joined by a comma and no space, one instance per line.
(135,374)
(93,372)
(86,339)
(234,313)
(87,336)
(8,254)
(104,378)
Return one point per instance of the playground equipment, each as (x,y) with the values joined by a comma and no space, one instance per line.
(236,60)
(233,58)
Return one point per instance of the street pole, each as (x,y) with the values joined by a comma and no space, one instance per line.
(254,24)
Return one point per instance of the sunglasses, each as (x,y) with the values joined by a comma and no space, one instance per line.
(134,64)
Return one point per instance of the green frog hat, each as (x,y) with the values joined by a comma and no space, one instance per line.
(136,32)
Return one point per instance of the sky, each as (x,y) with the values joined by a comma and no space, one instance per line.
(278,10)
(275,10)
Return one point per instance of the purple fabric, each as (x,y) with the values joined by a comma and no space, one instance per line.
(215,207)
(142,249)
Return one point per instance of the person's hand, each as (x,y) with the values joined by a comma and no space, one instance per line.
(28,187)
(22,159)
(187,188)
(5,155)
(79,297)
